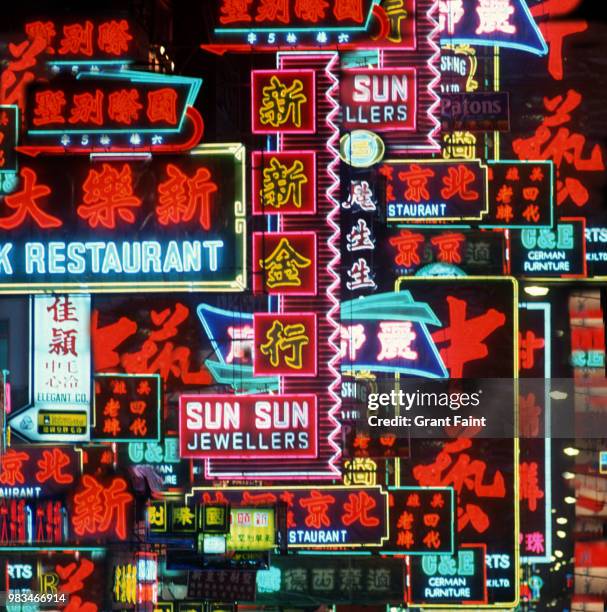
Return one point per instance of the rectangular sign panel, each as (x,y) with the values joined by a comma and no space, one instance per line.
(253,427)
(475,112)
(435,190)
(557,252)
(318,517)
(379,99)
(166,224)
(422,521)
(312,580)
(127,407)
(453,580)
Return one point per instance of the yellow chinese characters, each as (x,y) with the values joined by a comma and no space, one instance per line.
(280,104)
(286,343)
(283,266)
(282,184)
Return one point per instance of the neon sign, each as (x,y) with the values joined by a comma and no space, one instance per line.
(252,426)
(388,333)
(49,245)
(455,580)
(127,407)
(478,318)
(520,194)
(379,99)
(283,101)
(284,183)
(323,517)
(113,111)
(361,148)
(9,133)
(559,252)
(231,335)
(435,190)
(495,23)
(101,509)
(285,344)
(354,580)
(422,521)
(60,393)
(284,263)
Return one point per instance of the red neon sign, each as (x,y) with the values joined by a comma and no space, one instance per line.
(251,427)
(284,262)
(285,344)
(283,101)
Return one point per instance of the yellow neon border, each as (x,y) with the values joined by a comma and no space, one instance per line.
(516,500)
(431,220)
(287,487)
(239,283)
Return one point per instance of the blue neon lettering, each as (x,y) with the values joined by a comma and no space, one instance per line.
(76,263)
(131,257)
(5,262)
(212,246)
(111,261)
(95,248)
(192,256)
(34,254)
(172,260)
(56,258)
(151,254)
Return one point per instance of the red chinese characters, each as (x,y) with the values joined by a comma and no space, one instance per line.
(520,194)
(90,104)
(25,204)
(101,509)
(465,336)
(284,262)
(472,479)
(163,350)
(126,407)
(181,196)
(567,149)
(108,196)
(421,520)
(285,344)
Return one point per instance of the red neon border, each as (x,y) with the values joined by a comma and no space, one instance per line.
(287,73)
(413,102)
(257,167)
(246,403)
(259,286)
(409,601)
(295,317)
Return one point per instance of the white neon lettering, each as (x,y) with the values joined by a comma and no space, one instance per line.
(362,92)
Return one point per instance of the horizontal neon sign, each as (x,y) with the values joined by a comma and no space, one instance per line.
(252,427)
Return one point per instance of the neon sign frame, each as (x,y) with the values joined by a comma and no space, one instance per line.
(237,284)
